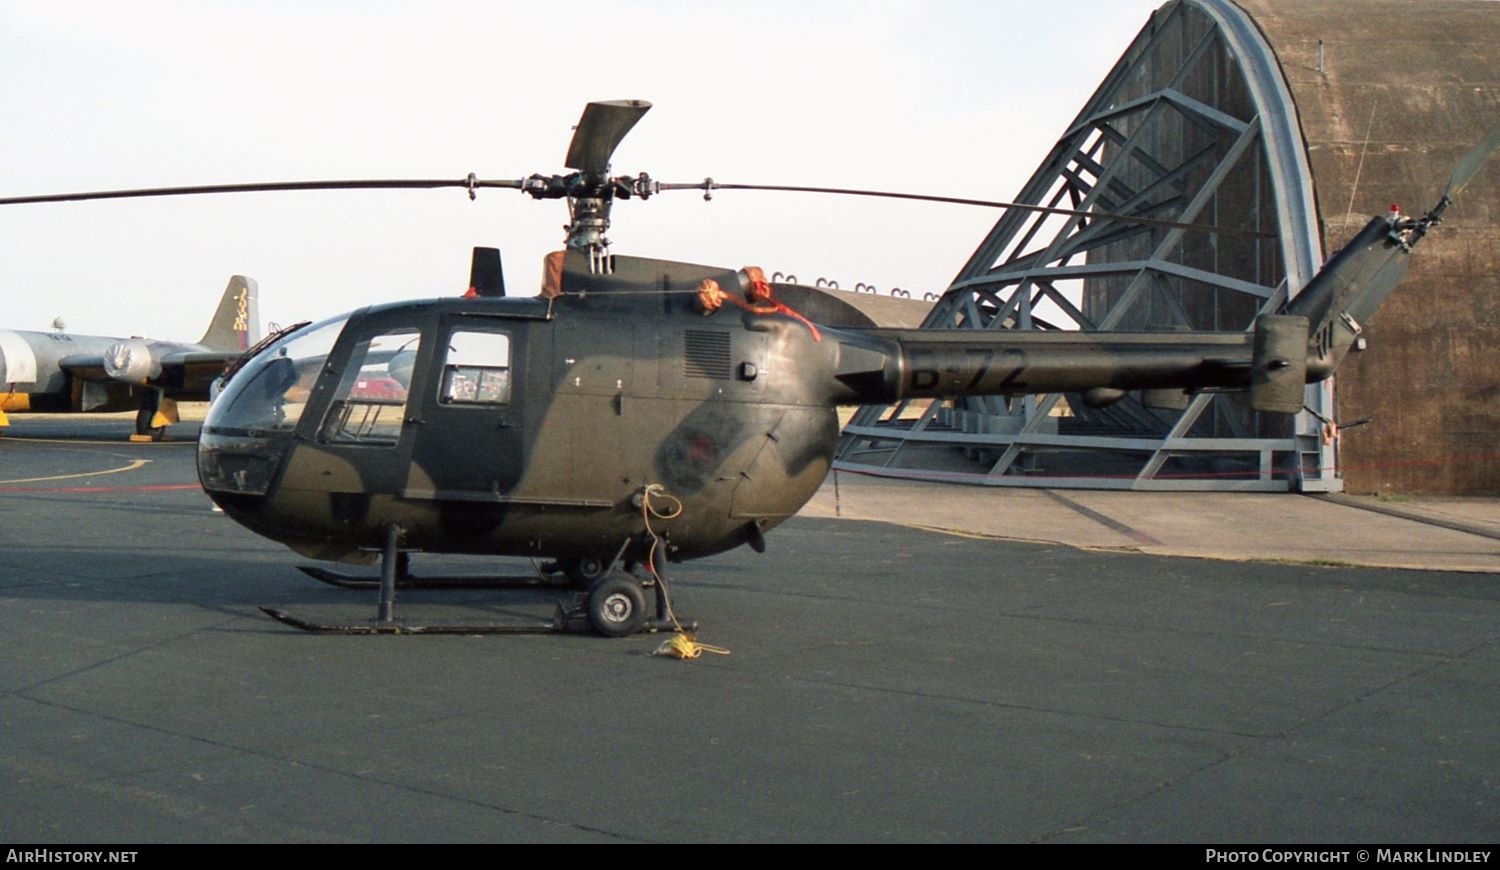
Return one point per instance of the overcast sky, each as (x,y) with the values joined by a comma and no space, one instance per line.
(954,98)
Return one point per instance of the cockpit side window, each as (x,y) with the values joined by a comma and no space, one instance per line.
(476,369)
(370,404)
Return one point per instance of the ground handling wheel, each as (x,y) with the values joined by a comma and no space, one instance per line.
(617,606)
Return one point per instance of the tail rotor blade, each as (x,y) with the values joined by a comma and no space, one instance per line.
(599,132)
(1472,161)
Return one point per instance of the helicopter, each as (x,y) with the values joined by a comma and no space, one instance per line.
(642,412)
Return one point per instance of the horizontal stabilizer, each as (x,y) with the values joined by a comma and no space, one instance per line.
(1278,374)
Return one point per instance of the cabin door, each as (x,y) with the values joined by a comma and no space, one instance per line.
(470,439)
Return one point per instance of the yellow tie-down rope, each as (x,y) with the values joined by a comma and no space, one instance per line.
(681,644)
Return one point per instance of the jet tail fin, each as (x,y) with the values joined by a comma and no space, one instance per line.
(236,324)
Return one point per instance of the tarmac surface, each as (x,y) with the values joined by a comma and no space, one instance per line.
(1043,671)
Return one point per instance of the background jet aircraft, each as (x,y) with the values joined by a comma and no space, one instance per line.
(57,372)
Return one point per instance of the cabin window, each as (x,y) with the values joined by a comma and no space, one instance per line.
(476,369)
(370,405)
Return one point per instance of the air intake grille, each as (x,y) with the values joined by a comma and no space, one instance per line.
(705,354)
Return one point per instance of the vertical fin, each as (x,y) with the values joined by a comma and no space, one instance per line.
(486,278)
(236,324)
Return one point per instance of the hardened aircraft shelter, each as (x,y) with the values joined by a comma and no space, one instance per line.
(1219,115)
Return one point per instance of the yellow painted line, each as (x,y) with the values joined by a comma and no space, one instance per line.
(115,442)
(955,533)
(131,466)
(941,530)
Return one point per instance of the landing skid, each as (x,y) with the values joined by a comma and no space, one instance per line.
(407,581)
(401,626)
(571,617)
(614,604)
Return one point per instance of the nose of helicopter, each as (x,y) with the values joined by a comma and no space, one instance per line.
(238,465)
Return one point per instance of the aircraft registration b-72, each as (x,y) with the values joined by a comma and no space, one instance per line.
(57,372)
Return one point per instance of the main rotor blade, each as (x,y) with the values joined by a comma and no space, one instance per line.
(599,132)
(471,184)
(1472,161)
(710,185)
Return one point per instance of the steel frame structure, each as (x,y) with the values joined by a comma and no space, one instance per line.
(1194,124)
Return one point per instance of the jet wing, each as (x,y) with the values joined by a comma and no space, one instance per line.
(194,371)
(184,373)
(84,367)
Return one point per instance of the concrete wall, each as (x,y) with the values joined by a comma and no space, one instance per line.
(1406,88)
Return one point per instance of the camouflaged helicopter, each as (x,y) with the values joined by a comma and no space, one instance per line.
(642,412)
